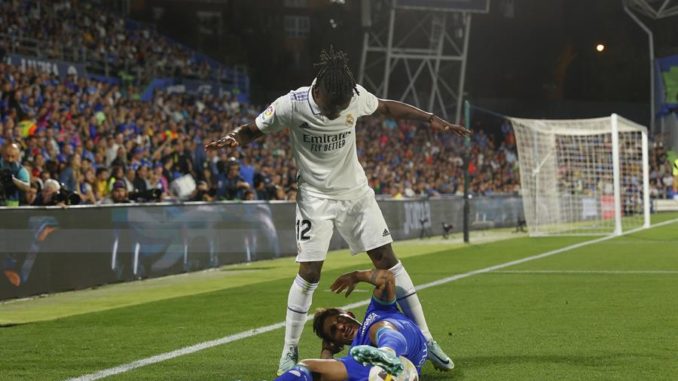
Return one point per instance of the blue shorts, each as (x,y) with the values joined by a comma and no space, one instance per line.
(356,371)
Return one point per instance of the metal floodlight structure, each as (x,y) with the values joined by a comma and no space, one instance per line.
(415,51)
(654,9)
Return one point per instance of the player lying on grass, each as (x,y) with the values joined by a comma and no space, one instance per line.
(384,336)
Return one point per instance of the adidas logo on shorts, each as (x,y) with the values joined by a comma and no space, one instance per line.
(386,232)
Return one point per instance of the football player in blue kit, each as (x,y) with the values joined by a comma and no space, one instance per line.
(386,337)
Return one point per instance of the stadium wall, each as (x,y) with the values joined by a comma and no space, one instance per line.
(45,250)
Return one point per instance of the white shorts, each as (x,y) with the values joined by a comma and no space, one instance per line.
(359,222)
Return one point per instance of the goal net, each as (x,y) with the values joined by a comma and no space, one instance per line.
(583,176)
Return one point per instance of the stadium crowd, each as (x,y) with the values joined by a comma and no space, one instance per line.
(62,30)
(663,175)
(96,140)
(93,137)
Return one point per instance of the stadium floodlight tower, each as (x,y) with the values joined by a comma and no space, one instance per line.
(415,51)
(583,176)
(654,9)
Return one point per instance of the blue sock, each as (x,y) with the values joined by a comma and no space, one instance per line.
(298,373)
(387,337)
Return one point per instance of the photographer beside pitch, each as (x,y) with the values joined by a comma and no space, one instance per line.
(49,195)
(332,187)
(14,178)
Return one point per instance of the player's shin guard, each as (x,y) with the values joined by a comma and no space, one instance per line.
(298,303)
(391,339)
(298,373)
(408,299)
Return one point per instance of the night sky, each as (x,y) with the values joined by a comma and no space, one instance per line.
(547,51)
(542,50)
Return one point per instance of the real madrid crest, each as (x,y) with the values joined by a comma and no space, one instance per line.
(349,120)
(269,112)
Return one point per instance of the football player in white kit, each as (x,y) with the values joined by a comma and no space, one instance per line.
(333,189)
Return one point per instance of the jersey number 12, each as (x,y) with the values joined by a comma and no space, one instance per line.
(303,227)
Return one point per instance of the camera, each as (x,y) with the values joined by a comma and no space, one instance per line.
(151,195)
(67,197)
(6,184)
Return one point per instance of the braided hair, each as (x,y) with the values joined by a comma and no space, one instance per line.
(334,76)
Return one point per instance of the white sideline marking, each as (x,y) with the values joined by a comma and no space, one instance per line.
(256,331)
(588,272)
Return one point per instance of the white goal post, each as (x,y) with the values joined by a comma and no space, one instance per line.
(583,176)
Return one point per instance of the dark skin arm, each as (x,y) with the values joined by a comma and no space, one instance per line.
(400,110)
(383,281)
(329,349)
(241,136)
(384,290)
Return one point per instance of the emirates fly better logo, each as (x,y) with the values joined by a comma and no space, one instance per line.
(325,143)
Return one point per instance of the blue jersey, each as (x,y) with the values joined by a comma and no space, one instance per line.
(380,311)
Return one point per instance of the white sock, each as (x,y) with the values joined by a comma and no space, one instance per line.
(298,303)
(408,299)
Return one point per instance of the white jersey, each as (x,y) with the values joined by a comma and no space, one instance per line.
(325,150)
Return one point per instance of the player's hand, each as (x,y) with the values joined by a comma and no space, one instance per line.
(331,347)
(440,124)
(345,282)
(227,141)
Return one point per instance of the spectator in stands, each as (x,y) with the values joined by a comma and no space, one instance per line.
(263,184)
(32,194)
(117,173)
(87,187)
(158,180)
(246,169)
(120,159)
(201,192)
(181,158)
(130,176)
(119,194)
(231,185)
(208,178)
(249,195)
(140,179)
(68,175)
(101,189)
(14,178)
(112,146)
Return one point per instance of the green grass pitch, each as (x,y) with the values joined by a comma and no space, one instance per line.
(603,311)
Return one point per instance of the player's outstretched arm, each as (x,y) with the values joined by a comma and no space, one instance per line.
(400,110)
(241,136)
(383,281)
